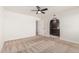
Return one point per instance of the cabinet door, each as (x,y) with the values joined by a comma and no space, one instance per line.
(54,27)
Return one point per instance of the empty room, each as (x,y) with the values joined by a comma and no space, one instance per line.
(39,29)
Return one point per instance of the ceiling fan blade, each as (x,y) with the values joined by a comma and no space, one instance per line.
(38,7)
(44,9)
(43,12)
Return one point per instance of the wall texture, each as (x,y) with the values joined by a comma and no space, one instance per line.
(44,23)
(1,27)
(69,25)
(18,25)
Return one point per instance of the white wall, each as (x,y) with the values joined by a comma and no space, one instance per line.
(69,25)
(18,25)
(44,23)
(1,27)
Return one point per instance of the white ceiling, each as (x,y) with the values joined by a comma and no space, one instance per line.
(28,9)
(24,9)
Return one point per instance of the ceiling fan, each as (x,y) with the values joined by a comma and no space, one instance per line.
(39,10)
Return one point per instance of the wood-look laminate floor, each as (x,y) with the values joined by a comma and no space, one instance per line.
(39,44)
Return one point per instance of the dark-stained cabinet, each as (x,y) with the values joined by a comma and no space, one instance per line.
(54,27)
